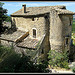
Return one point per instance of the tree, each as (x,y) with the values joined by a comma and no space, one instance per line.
(58,59)
(2,15)
(10,61)
(8,19)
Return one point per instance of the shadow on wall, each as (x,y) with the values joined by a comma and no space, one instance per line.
(72,52)
(13,25)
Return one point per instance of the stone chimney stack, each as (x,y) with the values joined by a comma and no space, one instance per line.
(23,8)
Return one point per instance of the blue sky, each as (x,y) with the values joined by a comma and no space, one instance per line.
(14,6)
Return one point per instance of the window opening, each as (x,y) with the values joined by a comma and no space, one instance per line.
(70,22)
(33,19)
(34,33)
(66,41)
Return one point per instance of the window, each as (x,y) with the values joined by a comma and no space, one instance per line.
(66,41)
(34,33)
(70,22)
(33,19)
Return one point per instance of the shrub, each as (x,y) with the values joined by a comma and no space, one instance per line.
(58,59)
(8,19)
(13,62)
(73,68)
(4,51)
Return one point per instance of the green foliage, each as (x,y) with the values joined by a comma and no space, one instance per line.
(73,26)
(73,36)
(8,19)
(58,59)
(31,53)
(2,16)
(13,62)
(1,4)
(4,51)
(73,68)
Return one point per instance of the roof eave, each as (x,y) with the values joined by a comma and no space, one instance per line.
(14,15)
(66,13)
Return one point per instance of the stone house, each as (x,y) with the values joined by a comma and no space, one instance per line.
(39,29)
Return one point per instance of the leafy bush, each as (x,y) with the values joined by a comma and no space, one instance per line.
(8,19)
(4,51)
(2,16)
(73,68)
(58,59)
(13,62)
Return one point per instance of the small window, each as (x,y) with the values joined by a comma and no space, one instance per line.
(70,22)
(66,41)
(33,19)
(34,33)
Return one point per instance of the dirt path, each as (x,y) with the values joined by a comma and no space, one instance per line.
(61,71)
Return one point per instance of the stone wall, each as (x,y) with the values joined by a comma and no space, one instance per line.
(45,45)
(55,31)
(67,28)
(7,43)
(59,28)
(26,24)
(55,28)
(14,46)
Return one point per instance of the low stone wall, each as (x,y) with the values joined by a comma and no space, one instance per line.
(11,44)
(20,50)
(7,43)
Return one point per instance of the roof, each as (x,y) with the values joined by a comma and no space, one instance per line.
(64,11)
(28,43)
(40,10)
(12,37)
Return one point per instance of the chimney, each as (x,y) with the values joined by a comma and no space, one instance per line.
(23,8)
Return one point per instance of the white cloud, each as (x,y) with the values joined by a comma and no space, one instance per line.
(30,4)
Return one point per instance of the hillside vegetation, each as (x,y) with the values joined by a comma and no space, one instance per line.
(73,26)
(11,62)
(73,31)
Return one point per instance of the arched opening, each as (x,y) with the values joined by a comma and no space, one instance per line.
(34,33)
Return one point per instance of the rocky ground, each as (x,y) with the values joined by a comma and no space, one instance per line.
(61,70)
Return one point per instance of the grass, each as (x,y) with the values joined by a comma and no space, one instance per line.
(73,37)
(73,26)
(73,31)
